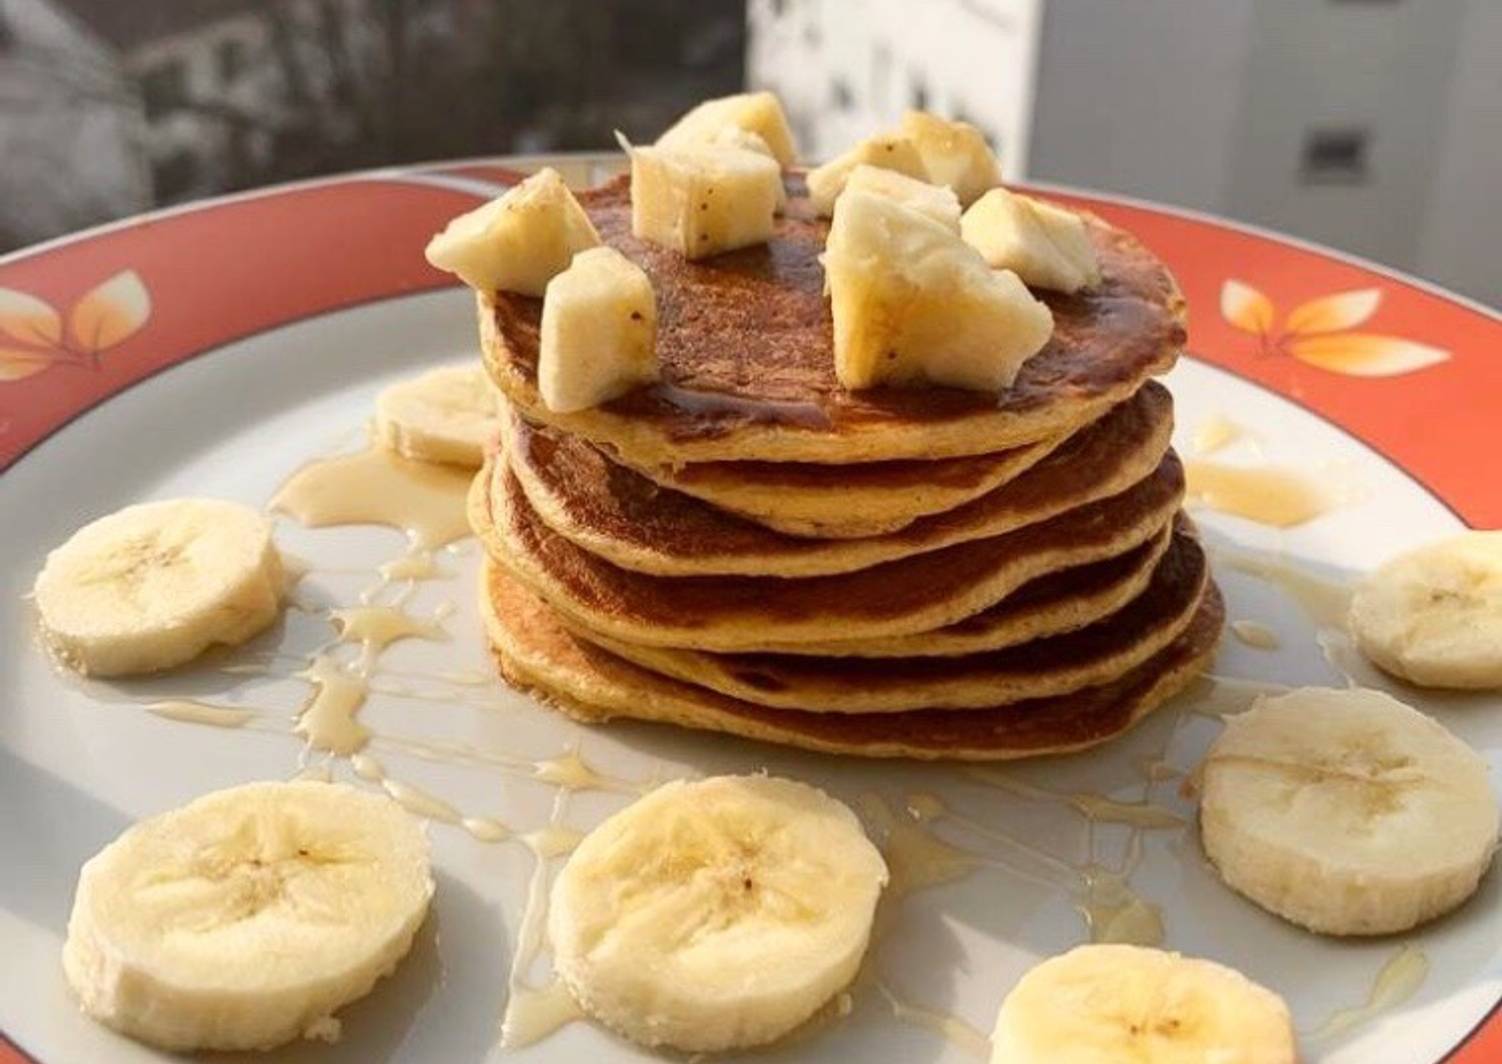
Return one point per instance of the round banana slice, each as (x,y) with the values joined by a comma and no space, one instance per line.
(1105,1004)
(1346,812)
(446,415)
(1433,616)
(154,585)
(716,914)
(247,917)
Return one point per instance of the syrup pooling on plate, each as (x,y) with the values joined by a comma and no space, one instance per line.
(1267,495)
(187,709)
(376,487)
(1215,432)
(1256,634)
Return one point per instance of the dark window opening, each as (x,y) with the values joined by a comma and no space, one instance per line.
(1334,156)
(840,95)
(164,88)
(230,56)
(174,176)
(917,95)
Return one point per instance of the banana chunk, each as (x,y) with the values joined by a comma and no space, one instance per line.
(1045,245)
(935,201)
(885,152)
(1105,1004)
(519,241)
(758,113)
(247,917)
(912,303)
(954,154)
(1346,812)
(704,200)
(599,331)
(716,914)
(154,585)
(445,415)
(1433,616)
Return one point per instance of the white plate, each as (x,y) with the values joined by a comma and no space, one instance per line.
(81,760)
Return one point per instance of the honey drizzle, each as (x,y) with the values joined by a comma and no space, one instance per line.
(376,487)
(945,1024)
(1267,495)
(532,1013)
(192,711)
(1397,981)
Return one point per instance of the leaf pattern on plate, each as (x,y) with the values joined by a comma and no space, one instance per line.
(1316,332)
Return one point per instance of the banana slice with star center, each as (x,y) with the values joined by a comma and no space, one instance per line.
(1346,811)
(1433,616)
(1108,1003)
(154,585)
(247,917)
(717,914)
(446,415)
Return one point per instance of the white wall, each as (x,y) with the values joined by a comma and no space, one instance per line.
(846,70)
(1140,97)
(1208,104)
(1460,240)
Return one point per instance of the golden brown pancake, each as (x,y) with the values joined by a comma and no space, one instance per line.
(594,685)
(1050,605)
(1086,658)
(747,356)
(635,523)
(872,498)
(901,597)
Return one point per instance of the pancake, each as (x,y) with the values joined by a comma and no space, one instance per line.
(910,595)
(1050,605)
(747,356)
(593,685)
(873,498)
(1064,663)
(636,524)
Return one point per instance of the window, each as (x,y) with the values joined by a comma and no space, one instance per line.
(174,176)
(7,35)
(163,88)
(840,95)
(230,57)
(1334,156)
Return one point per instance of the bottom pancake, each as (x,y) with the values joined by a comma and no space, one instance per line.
(592,685)
(1088,657)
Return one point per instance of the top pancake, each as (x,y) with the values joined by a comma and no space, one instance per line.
(747,356)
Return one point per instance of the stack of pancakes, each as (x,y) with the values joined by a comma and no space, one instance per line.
(745,546)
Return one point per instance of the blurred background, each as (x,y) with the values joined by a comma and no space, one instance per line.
(1371,125)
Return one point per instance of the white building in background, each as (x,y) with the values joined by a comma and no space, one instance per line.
(846,70)
(70,124)
(1375,127)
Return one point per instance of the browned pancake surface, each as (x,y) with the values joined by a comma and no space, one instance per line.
(592,684)
(891,591)
(639,524)
(745,337)
(1141,628)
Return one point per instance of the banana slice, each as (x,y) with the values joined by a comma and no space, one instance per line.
(154,585)
(716,914)
(517,242)
(247,917)
(1433,616)
(1105,1004)
(445,415)
(1346,812)
(759,113)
